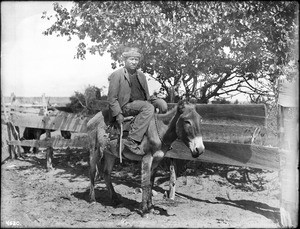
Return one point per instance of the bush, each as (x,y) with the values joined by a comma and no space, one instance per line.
(89,102)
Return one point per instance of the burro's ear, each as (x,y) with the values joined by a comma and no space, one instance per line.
(179,128)
(180,106)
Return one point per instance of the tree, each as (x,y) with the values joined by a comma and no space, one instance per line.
(210,48)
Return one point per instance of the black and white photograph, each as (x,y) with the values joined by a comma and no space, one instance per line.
(149,114)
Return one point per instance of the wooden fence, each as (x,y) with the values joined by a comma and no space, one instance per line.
(228,130)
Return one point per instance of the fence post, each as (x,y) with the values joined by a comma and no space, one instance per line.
(172,183)
(5,148)
(44,104)
(288,148)
(12,130)
(49,150)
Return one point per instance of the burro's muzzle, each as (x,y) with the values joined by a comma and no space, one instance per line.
(196,146)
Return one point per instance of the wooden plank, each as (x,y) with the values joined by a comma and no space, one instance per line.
(231,154)
(227,133)
(31,100)
(31,110)
(54,142)
(8,105)
(58,121)
(222,153)
(254,114)
(62,122)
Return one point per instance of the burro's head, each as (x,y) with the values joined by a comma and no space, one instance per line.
(188,128)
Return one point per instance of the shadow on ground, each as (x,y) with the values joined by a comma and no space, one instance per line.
(103,198)
(254,206)
(249,205)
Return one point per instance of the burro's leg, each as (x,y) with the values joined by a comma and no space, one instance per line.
(49,152)
(109,161)
(97,142)
(157,157)
(96,151)
(95,157)
(146,183)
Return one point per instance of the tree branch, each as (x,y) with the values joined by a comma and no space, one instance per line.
(80,102)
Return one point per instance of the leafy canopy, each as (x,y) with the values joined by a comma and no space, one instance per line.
(211,48)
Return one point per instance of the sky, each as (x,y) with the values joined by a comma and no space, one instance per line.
(33,64)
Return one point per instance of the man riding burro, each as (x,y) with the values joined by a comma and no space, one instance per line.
(128,95)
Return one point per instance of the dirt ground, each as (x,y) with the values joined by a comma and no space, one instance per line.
(33,197)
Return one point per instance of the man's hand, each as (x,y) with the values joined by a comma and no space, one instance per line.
(120,118)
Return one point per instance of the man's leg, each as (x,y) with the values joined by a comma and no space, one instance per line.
(143,111)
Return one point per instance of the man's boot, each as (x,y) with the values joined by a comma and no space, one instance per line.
(133,146)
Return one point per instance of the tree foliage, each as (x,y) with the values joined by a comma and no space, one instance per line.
(211,48)
(88,101)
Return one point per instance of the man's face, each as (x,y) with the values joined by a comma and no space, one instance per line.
(132,62)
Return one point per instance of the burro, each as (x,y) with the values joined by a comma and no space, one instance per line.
(182,123)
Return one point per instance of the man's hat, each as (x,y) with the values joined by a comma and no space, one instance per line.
(131,52)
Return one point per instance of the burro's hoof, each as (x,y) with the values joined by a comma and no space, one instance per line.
(92,200)
(50,168)
(154,212)
(145,215)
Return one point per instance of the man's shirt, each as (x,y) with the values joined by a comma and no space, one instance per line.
(137,92)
